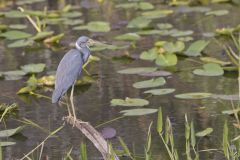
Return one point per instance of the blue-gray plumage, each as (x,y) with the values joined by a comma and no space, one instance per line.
(70,67)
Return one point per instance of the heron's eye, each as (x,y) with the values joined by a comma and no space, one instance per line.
(82,44)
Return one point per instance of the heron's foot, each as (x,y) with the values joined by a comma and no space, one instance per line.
(74,121)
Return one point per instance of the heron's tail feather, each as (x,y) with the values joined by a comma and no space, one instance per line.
(57,93)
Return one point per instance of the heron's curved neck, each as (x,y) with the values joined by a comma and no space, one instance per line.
(78,47)
(85,52)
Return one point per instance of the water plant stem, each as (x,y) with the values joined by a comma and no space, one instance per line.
(50,135)
(112,120)
(31,20)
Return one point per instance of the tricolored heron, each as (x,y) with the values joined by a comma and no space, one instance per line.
(69,69)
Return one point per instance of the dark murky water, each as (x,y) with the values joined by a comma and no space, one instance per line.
(93,101)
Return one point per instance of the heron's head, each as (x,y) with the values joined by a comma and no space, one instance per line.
(83,42)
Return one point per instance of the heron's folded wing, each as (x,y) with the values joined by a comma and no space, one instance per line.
(67,72)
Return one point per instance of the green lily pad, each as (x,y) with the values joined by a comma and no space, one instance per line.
(140,5)
(127,5)
(159,92)
(73,22)
(18,26)
(42,35)
(11,132)
(73,14)
(196,48)
(189,9)
(3,27)
(33,68)
(159,43)
(23,2)
(174,47)
(193,95)
(130,102)
(150,32)
(204,133)
(54,21)
(137,70)
(84,27)
(35,13)
(128,37)
(20,43)
(32,81)
(208,34)
(167,32)
(166,59)
(14,35)
(95,26)
(13,75)
(2,14)
(156,13)
(149,55)
(182,33)
(217,12)
(99,26)
(160,73)
(164,25)
(224,31)
(145,6)
(150,83)
(4,144)
(210,69)
(101,47)
(26,90)
(54,39)
(31,86)
(139,22)
(14,14)
(185,39)
(138,112)
(85,80)
(46,81)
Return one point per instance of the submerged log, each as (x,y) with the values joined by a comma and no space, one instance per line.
(94,136)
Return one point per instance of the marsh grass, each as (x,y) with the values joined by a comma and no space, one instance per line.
(41,145)
(233,52)
(230,145)
(68,155)
(83,151)
(37,23)
(33,124)
(6,110)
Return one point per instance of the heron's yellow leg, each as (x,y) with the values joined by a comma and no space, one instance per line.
(68,107)
(72,104)
(85,65)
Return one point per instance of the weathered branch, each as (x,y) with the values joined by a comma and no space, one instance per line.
(94,136)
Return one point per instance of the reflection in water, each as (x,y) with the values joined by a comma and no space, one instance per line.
(93,101)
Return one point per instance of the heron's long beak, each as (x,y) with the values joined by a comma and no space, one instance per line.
(91,42)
